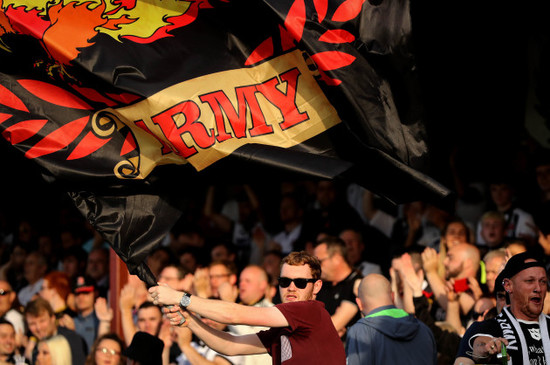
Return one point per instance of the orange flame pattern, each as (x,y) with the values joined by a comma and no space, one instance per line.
(66,27)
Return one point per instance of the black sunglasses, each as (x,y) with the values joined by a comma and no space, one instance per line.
(300,283)
(4,292)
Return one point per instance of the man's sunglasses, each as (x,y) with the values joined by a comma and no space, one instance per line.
(300,283)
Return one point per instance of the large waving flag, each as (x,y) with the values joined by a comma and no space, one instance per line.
(122,100)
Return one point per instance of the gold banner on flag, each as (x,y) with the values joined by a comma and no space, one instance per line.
(277,103)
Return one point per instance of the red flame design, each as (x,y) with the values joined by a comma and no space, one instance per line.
(331,60)
(60,40)
(286,40)
(54,94)
(58,139)
(337,36)
(296,19)
(348,10)
(176,22)
(9,99)
(263,51)
(27,21)
(129,145)
(4,117)
(124,98)
(22,131)
(321,7)
(93,95)
(89,144)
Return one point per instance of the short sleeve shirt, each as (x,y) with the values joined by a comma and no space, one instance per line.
(531,332)
(310,337)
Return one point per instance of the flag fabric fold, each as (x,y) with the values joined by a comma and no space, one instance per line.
(105,94)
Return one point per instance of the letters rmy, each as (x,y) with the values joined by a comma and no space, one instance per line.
(202,120)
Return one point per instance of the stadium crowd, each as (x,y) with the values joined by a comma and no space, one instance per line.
(442,267)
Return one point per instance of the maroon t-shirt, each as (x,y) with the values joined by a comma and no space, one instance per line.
(310,338)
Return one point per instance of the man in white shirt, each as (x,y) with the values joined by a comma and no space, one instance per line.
(253,286)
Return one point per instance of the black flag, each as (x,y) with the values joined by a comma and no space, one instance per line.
(114,99)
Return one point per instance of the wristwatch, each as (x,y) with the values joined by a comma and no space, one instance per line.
(185,300)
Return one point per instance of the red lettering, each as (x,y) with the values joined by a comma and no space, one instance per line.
(246,98)
(191,112)
(285,102)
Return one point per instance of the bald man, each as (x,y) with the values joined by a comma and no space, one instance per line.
(462,261)
(253,285)
(387,335)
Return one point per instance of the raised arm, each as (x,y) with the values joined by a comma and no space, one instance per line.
(224,342)
(126,304)
(105,315)
(429,263)
(219,220)
(343,314)
(219,310)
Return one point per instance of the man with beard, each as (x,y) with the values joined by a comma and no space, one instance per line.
(461,266)
(521,327)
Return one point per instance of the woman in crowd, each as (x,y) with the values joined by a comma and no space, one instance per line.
(106,351)
(54,351)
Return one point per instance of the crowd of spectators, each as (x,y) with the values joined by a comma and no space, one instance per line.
(442,264)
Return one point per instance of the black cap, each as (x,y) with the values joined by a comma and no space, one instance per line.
(517,263)
(145,348)
(83,284)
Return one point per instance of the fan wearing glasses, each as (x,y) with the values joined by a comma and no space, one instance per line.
(301,330)
(7,311)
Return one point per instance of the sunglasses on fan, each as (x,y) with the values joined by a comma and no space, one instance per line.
(300,282)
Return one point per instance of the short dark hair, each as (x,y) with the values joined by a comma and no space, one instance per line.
(461,222)
(38,306)
(5,321)
(182,271)
(334,245)
(147,304)
(229,265)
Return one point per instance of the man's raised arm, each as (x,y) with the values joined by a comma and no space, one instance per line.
(218,310)
(222,342)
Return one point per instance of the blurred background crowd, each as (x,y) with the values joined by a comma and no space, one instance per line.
(54,268)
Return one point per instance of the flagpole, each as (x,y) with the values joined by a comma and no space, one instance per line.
(117,279)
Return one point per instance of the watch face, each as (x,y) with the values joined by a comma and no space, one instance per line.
(185,301)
